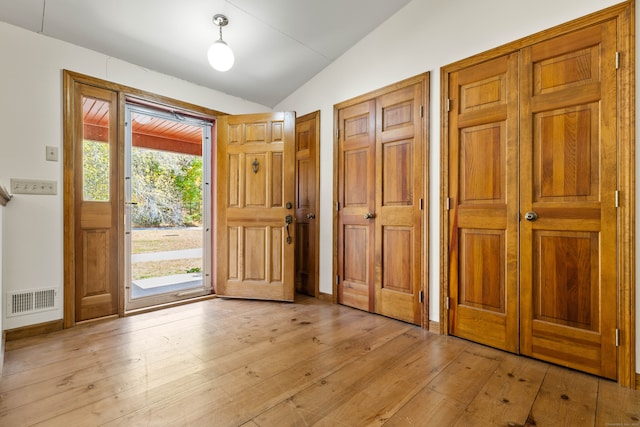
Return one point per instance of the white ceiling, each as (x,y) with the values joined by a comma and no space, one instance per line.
(278,44)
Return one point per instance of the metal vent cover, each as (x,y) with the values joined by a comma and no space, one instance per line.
(31,301)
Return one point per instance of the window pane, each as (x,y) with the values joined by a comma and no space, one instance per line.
(95,150)
(95,166)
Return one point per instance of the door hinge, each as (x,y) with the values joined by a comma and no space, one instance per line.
(617,198)
(446,303)
(448,203)
(617,337)
(421,204)
(617,60)
(337,279)
(421,296)
(337,206)
(448,104)
(421,111)
(337,133)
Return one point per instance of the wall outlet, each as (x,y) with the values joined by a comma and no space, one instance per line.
(33,186)
(52,154)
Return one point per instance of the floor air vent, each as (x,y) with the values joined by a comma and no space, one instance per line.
(31,301)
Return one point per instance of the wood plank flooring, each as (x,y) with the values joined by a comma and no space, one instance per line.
(229,362)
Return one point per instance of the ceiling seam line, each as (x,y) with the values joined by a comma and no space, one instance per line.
(279,31)
(44,7)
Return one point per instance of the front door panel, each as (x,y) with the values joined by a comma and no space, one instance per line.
(256,188)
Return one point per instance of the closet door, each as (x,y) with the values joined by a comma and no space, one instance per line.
(568,173)
(380,181)
(307,203)
(399,136)
(356,204)
(483,215)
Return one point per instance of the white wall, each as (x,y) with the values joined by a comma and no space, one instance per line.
(31,119)
(423,36)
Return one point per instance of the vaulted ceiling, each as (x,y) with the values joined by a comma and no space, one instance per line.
(278,44)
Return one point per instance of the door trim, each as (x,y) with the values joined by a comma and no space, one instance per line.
(624,13)
(69,78)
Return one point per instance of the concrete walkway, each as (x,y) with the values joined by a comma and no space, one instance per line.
(167,255)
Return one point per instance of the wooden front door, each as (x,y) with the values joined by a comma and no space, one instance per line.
(483,216)
(356,204)
(307,194)
(96,196)
(398,215)
(255,200)
(568,170)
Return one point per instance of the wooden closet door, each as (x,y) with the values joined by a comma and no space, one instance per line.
(356,200)
(568,173)
(398,217)
(483,215)
(307,193)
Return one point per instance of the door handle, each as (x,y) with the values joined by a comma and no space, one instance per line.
(288,220)
(531,216)
(369,215)
(311,216)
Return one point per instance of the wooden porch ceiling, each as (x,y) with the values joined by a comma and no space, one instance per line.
(148,132)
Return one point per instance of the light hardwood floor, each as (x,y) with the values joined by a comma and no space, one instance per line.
(236,362)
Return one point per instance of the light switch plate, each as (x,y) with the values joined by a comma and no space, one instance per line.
(33,186)
(52,154)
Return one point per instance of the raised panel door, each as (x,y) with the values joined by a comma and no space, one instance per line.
(398,216)
(256,176)
(568,167)
(483,217)
(307,139)
(96,203)
(356,199)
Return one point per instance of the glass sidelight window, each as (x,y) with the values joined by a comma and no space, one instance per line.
(95,150)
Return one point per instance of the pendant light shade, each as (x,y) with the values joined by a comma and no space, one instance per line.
(220,54)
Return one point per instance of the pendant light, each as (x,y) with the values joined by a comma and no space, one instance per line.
(220,54)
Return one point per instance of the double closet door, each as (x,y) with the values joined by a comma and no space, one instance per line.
(379,200)
(532,167)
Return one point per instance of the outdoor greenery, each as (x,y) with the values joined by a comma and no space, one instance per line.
(95,171)
(165,187)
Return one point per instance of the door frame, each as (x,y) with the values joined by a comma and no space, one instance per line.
(207,157)
(69,78)
(624,13)
(424,244)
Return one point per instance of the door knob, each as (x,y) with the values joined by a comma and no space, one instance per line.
(531,216)
(369,215)
(311,216)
